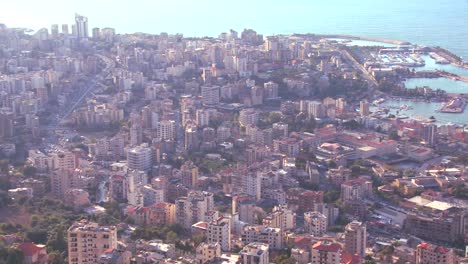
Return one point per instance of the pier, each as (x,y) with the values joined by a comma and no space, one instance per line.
(456,105)
(453,76)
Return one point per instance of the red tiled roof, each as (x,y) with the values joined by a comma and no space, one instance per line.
(348,258)
(302,242)
(442,250)
(329,247)
(29,248)
(108,251)
(437,249)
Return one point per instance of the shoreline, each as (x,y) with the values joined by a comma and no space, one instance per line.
(375,39)
(448,55)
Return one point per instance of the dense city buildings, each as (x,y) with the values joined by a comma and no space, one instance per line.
(240,148)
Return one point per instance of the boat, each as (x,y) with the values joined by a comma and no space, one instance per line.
(402,117)
(378,101)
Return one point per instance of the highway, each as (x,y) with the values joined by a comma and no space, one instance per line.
(77,100)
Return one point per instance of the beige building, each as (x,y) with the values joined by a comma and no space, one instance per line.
(87,241)
(255,252)
(207,252)
(431,254)
(326,252)
(189,174)
(281,217)
(356,189)
(269,235)
(356,238)
(248,116)
(339,175)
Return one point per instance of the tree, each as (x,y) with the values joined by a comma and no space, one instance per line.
(171,237)
(56,258)
(284,259)
(4,165)
(57,240)
(393,135)
(11,256)
(29,171)
(38,236)
(460,191)
(4,199)
(331,196)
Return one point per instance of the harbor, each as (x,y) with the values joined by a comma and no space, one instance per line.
(417,109)
(448,85)
(455,105)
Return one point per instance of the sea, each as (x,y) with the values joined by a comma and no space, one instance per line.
(425,22)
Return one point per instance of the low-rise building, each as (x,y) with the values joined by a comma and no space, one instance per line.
(326,252)
(315,223)
(34,253)
(255,252)
(207,252)
(269,235)
(431,254)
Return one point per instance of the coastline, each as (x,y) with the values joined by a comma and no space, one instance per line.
(383,40)
(448,55)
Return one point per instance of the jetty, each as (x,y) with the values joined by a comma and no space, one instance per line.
(455,105)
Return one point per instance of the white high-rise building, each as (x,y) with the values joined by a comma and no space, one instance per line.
(219,230)
(166,130)
(193,208)
(281,217)
(270,90)
(252,185)
(134,182)
(140,158)
(136,135)
(81,24)
(152,195)
(315,223)
(210,95)
(203,117)
(356,238)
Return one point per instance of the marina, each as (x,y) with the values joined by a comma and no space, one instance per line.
(456,105)
(421,110)
(446,84)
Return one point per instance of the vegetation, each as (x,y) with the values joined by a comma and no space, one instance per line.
(10,256)
(460,191)
(170,234)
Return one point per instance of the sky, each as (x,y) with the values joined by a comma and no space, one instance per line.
(120,14)
(154,16)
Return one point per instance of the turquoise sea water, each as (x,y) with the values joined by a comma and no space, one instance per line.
(446,84)
(432,65)
(426,22)
(426,110)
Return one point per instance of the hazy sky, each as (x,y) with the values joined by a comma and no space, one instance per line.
(156,15)
(210,17)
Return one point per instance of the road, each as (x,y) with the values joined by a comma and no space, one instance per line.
(434,161)
(370,79)
(77,100)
